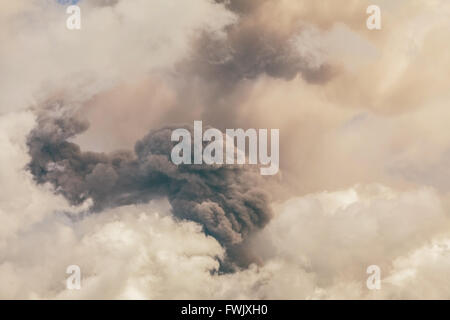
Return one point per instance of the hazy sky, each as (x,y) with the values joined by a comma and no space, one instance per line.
(364,149)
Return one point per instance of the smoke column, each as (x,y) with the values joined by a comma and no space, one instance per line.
(225,200)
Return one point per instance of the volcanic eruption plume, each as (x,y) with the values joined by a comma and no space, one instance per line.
(224,199)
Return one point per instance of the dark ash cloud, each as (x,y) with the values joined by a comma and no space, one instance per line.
(225,200)
(220,70)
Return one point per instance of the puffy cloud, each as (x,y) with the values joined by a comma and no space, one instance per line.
(228,201)
(317,246)
(22,204)
(355,107)
(346,231)
(130,252)
(118,41)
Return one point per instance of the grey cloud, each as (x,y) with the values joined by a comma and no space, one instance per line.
(214,79)
(249,51)
(225,200)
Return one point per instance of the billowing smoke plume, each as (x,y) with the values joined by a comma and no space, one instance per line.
(252,48)
(222,66)
(225,200)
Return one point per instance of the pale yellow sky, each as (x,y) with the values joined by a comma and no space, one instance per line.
(364,143)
